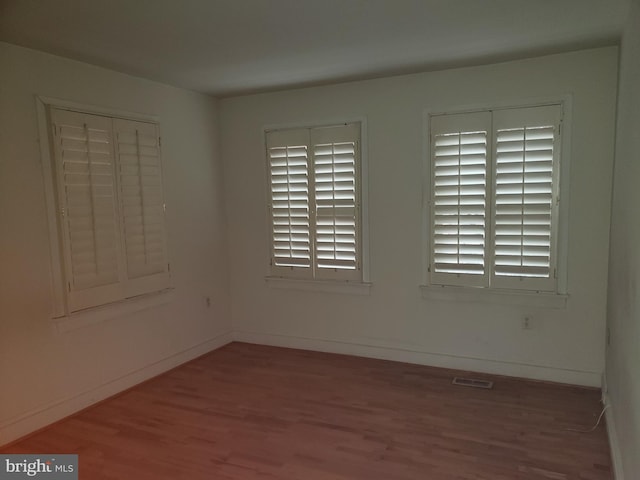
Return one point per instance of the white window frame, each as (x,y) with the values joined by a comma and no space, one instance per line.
(65,319)
(276,278)
(493,295)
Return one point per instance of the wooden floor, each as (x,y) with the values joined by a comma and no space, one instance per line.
(255,412)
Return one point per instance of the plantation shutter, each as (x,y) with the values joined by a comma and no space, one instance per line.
(460,145)
(336,232)
(84,164)
(289,191)
(526,165)
(142,206)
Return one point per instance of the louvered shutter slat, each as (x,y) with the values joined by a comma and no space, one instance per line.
(459,171)
(142,205)
(84,163)
(524,201)
(459,193)
(288,163)
(336,199)
(88,170)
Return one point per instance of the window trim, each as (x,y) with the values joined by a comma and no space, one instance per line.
(562,253)
(56,250)
(117,309)
(277,281)
(521,298)
(326,286)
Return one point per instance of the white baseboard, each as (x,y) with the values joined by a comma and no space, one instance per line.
(29,422)
(399,354)
(616,456)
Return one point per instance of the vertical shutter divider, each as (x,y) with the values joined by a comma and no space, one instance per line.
(142,201)
(459,211)
(92,196)
(524,160)
(333,196)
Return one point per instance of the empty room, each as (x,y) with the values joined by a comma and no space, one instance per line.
(320,239)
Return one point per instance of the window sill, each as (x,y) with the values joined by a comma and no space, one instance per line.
(90,316)
(502,297)
(326,286)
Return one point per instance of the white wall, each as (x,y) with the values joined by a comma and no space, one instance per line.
(623,358)
(45,373)
(394,321)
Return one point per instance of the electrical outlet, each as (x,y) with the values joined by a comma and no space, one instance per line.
(527,322)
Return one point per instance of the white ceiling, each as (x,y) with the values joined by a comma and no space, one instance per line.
(228,47)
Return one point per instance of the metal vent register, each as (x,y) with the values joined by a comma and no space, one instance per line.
(472,382)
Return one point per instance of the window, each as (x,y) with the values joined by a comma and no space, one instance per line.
(494,198)
(314,209)
(110,208)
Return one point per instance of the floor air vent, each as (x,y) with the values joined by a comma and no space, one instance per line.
(472,382)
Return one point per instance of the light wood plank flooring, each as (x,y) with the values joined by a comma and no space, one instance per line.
(256,412)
